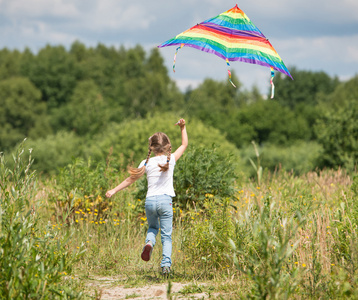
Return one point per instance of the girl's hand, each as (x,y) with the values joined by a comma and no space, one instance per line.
(110,193)
(181,123)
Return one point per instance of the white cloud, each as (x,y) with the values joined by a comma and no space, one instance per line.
(323,50)
(120,15)
(36,8)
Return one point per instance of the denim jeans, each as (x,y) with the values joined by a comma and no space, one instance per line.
(159,213)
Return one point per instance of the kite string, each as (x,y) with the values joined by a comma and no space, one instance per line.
(188,105)
(271,81)
(191,100)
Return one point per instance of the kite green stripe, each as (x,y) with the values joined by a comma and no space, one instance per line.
(234,21)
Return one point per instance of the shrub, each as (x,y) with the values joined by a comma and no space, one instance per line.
(300,158)
(204,171)
(81,186)
(55,151)
(200,171)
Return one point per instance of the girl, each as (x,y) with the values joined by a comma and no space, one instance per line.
(158,202)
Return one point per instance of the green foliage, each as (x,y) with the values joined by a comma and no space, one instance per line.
(304,89)
(129,139)
(300,157)
(10,63)
(337,128)
(346,231)
(55,151)
(86,114)
(33,262)
(81,186)
(271,123)
(54,73)
(22,114)
(203,171)
(84,89)
(199,172)
(212,102)
(263,245)
(200,239)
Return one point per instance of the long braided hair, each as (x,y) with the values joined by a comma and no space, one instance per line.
(159,143)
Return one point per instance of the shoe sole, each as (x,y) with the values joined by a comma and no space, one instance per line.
(166,273)
(146,252)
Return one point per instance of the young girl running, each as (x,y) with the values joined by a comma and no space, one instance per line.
(158,202)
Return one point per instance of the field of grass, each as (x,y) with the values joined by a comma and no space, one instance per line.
(288,237)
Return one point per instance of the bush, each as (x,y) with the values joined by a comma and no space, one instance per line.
(300,158)
(55,151)
(200,172)
(204,171)
(129,139)
(81,186)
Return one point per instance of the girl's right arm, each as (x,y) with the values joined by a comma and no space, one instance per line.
(125,183)
(184,140)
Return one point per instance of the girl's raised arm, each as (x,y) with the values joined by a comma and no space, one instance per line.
(184,140)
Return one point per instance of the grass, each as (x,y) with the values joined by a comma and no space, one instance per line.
(114,244)
(289,237)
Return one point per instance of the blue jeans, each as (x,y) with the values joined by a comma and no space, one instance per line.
(159,213)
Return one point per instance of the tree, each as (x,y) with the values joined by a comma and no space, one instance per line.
(86,113)
(214,102)
(304,88)
(22,114)
(10,64)
(266,121)
(337,127)
(53,71)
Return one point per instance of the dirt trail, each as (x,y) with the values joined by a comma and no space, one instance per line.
(109,290)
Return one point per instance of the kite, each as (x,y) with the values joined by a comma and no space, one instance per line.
(233,37)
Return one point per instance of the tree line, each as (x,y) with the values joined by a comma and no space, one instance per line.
(83,101)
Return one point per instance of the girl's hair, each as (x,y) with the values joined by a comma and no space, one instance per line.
(159,143)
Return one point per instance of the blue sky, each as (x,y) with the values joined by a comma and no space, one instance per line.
(319,35)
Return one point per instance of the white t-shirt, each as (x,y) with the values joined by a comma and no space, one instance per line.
(159,183)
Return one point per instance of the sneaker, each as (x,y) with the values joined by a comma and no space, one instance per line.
(147,251)
(165,271)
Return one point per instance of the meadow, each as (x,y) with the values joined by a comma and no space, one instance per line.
(278,235)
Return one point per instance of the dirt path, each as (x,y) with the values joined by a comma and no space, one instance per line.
(107,288)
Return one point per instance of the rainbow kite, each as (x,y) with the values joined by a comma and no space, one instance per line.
(231,36)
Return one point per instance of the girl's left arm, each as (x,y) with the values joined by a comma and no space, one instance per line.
(125,183)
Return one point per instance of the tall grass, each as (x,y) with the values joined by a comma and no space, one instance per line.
(293,235)
(282,236)
(34,260)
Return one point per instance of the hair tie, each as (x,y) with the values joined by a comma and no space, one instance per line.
(145,163)
(167,160)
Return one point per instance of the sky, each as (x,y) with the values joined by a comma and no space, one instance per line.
(318,35)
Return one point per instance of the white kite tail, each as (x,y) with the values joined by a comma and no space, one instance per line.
(272,85)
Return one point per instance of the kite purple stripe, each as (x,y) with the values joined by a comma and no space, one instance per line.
(248,33)
(276,67)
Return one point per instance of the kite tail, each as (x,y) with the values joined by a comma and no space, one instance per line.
(229,72)
(175,56)
(271,81)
